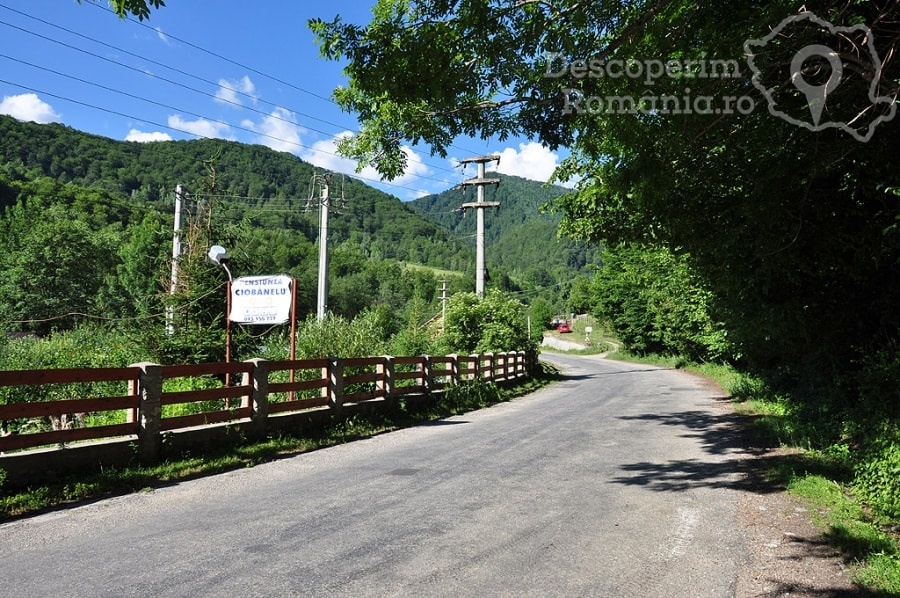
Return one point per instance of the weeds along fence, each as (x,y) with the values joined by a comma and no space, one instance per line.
(54,422)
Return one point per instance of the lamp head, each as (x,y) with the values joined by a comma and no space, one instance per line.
(218,255)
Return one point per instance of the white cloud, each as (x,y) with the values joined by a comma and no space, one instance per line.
(278,131)
(531,161)
(200,127)
(324,155)
(234,92)
(163,37)
(143,137)
(29,107)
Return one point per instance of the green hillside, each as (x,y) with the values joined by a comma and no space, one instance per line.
(86,232)
(87,222)
(270,189)
(520,238)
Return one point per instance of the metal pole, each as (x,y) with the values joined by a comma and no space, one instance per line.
(228,328)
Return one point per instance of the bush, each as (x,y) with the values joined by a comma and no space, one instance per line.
(655,303)
(494,323)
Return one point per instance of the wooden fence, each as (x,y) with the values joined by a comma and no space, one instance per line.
(149,408)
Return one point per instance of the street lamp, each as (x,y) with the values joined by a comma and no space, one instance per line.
(219,256)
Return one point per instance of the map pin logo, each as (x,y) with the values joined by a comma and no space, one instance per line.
(816,94)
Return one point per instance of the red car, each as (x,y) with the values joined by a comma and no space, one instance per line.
(564,327)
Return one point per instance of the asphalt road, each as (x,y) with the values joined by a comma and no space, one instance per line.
(621,480)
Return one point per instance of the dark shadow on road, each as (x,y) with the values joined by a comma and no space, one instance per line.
(443,422)
(741,464)
(564,377)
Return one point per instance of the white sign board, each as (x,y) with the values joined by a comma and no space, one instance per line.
(261,299)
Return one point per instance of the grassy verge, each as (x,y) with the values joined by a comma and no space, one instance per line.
(459,399)
(820,477)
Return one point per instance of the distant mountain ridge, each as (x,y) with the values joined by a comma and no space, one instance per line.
(269,188)
(520,237)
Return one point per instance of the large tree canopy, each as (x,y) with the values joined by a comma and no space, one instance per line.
(777,173)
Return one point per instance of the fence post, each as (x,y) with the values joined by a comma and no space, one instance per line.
(258,399)
(427,374)
(454,368)
(386,371)
(149,391)
(335,382)
(476,367)
(491,365)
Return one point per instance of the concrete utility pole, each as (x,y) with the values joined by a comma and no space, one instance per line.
(443,303)
(176,254)
(479,207)
(322,296)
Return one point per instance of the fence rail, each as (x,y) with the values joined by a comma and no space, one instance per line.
(159,401)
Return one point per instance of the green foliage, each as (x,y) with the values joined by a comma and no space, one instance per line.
(792,234)
(656,304)
(541,313)
(336,336)
(878,470)
(416,337)
(53,275)
(87,346)
(494,323)
(580,300)
(138,8)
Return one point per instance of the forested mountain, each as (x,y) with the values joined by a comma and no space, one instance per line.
(268,188)
(86,230)
(520,237)
(87,224)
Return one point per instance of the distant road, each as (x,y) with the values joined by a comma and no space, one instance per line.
(619,481)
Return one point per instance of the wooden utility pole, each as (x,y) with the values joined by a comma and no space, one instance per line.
(479,206)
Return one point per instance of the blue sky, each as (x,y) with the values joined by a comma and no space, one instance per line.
(230,69)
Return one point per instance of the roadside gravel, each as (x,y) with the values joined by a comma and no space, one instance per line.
(788,554)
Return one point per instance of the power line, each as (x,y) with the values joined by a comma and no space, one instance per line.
(273,115)
(194,134)
(151,61)
(243,66)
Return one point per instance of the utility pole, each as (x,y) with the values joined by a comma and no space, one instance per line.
(479,206)
(322,296)
(443,303)
(322,181)
(176,255)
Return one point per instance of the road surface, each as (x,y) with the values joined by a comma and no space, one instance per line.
(622,480)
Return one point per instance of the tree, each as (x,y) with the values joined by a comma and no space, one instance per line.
(51,269)
(139,8)
(795,232)
(493,323)
(541,314)
(655,304)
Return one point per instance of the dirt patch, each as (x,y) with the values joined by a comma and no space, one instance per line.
(789,554)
